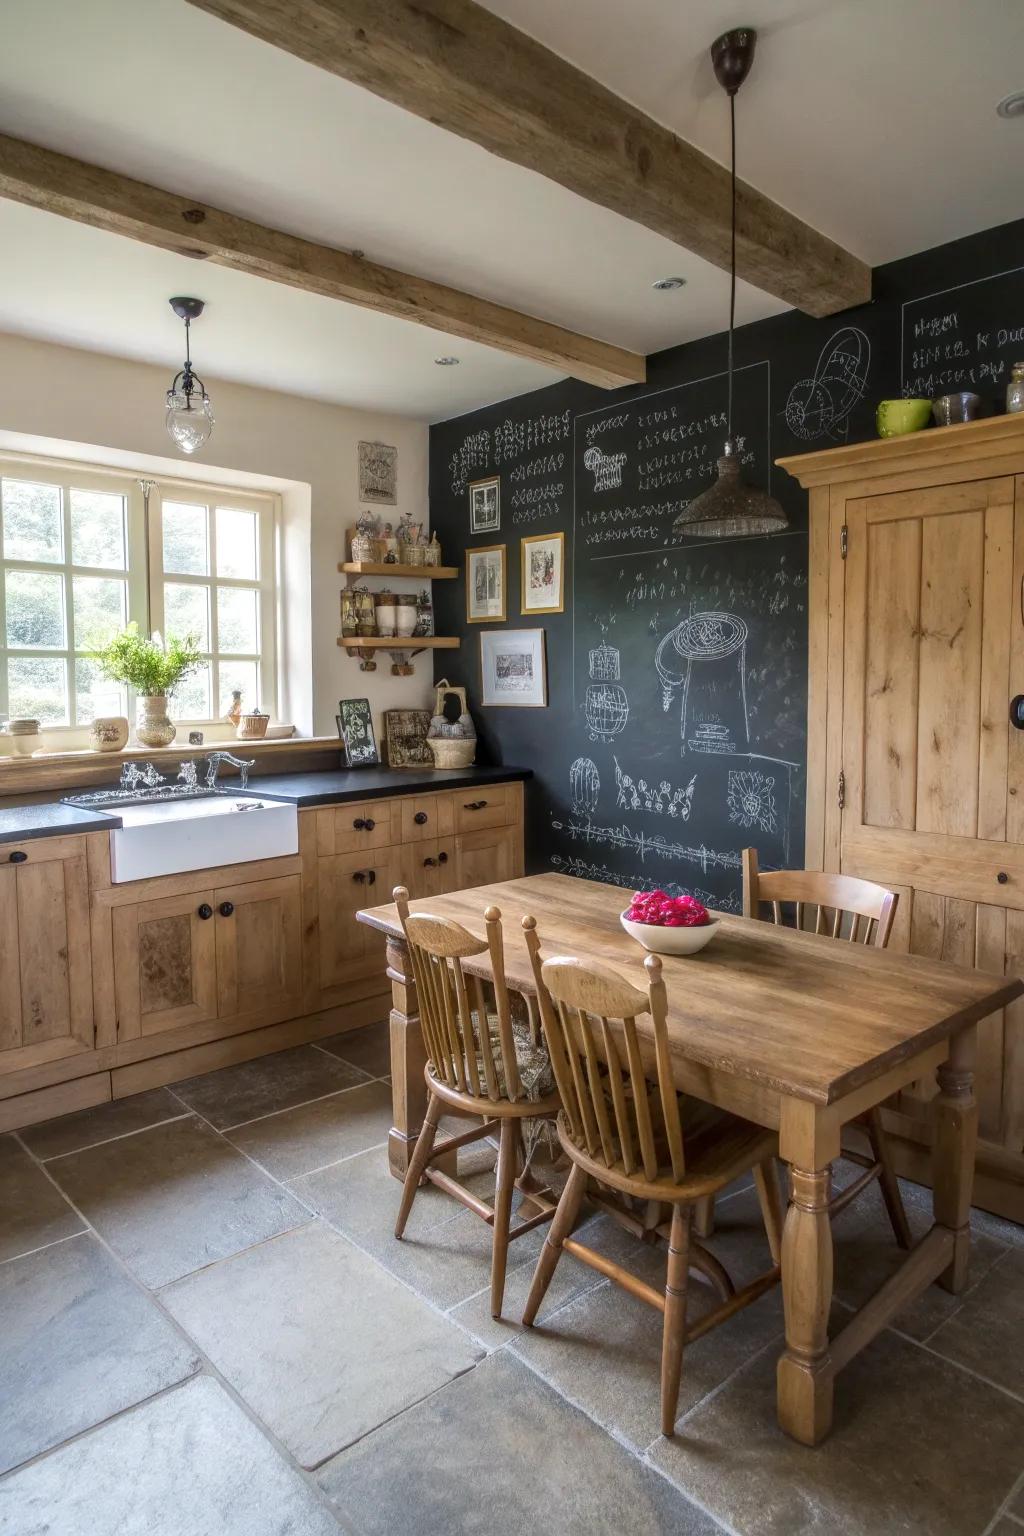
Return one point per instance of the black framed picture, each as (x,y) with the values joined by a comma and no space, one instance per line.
(355,727)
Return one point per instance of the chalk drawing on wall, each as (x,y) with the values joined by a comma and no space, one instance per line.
(751,800)
(698,640)
(606,706)
(585,869)
(820,406)
(472,454)
(604,663)
(648,847)
(661,798)
(606,468)
(584,786)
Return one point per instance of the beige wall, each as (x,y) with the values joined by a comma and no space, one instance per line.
(52,397)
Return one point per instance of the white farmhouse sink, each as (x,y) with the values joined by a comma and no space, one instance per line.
(169,837)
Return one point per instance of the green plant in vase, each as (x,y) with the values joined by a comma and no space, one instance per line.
(154,668)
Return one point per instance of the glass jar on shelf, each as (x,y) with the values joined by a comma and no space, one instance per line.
(1015,390)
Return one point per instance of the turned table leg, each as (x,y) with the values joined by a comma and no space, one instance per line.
(804,1374)
(408,1059)
(956,1135)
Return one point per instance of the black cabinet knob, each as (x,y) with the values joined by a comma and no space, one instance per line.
(474,805)
(1002,877)
(365,877)
(420,818)
(369,823)
(442,858)
(364,824)
(429,863)
(205,911)
(226,908)
(18,857)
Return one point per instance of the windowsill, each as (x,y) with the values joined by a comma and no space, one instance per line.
(176,752)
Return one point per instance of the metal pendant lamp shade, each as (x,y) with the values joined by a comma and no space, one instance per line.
(730,508)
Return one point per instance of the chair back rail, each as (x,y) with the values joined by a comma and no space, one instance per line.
(610,1109)
(840,906)
(460,1047)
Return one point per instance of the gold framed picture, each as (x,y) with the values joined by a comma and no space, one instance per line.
(485,584)
(543,576)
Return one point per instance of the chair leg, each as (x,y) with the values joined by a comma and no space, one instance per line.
(771,1205)
(508,1147)
(674,1332)
(562,1224)
(704,1217)
(887,1178)
(420,1159)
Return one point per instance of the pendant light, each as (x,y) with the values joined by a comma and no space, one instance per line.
(730,508)
(189,412)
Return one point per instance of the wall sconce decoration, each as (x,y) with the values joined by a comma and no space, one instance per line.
(189,411)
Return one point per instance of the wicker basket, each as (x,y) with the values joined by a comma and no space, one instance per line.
(452,752)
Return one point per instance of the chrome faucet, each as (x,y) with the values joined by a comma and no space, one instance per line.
(214,761)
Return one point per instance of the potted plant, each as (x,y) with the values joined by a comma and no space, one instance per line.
(154,669)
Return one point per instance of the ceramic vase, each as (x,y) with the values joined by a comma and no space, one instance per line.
(152,726)
(108,733)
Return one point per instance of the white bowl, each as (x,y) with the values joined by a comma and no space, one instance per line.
(670,941)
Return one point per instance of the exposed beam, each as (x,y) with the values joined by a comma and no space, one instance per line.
(468,71)
(91,195)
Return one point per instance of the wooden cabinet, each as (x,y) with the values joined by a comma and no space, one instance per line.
(484,858)
(430,869)
(46,1008)
(259,945)
(345,882)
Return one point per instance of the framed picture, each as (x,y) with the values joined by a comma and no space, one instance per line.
(485,584)
(378,473)
(405,737)
(484,506)
(543,584)
(512,668)
(355,727)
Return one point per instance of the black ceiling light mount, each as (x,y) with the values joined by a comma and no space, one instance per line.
(729,508)
(189,410)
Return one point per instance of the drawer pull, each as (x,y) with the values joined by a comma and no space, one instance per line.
(442,858)
(364,824)
(474,805)
(205,911)
(18,857)
(429,863)
(421,818)
(226,908)
(365,877)
(1002,877)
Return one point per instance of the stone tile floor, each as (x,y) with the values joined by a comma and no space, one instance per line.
(207,1329)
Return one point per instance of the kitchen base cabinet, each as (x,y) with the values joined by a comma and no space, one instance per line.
(259,945)
(484,858)
(347,882)
(165,964)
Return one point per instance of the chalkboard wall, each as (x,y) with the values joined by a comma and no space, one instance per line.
(675,731)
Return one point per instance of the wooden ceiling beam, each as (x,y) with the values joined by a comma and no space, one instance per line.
(466,70)
(90,195)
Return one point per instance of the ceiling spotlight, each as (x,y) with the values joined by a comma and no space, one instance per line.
(1012,105)
(446,362)
(189,411)
(664,283)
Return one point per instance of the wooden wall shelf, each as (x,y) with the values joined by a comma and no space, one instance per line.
(416,572)
(400,642)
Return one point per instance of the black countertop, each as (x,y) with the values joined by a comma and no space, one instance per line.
(334,786)
(49,819)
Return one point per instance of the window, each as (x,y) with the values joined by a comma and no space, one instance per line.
(79,557)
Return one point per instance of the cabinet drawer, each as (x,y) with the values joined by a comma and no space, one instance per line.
(491,806)
(363,825)
(425,817)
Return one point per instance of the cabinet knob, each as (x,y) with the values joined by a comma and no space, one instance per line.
(365,877)
(420,818)
(18,857)
(474,805)
(442,858)
(364,824)
(1002,877)
(226,908)
(429,863)
(205,911)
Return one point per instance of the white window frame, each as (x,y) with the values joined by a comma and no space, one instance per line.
(145,575)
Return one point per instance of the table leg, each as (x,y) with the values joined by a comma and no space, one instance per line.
(804,1372)
(408,1059)
(956,1135)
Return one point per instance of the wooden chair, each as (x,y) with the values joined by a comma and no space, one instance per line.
(472,1068)
(622,1123)
(858,912)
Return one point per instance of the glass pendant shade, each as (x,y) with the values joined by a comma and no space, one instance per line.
(189,418)
(729,508)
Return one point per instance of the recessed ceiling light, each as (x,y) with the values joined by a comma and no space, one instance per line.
(1012,105)
(669,282)
(446,362)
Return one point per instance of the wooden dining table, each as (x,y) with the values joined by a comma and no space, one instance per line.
(792,1030)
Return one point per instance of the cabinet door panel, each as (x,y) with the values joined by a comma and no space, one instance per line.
(484,858)
(165,964)
(348,882)
(429,869)
(259,945)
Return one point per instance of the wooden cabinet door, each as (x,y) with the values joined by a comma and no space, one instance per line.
(165,963)
(429,869)
(491,806)
(348,882)
(46,1007)
(483,858)
(258,928)
(934,787)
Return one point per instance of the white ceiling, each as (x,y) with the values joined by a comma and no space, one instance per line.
(873,120)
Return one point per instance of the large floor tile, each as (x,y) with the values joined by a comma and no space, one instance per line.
(917,1446)
(188,1464)
(87,1127)
(261,1087)
(78,1343)
(368,1048)
(296,1141)
(32,1212)
(174,1198)
(498,1453)
(987,1333)
(317,1339)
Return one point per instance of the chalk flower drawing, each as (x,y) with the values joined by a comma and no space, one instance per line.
(662,799)
(751,800)
(606,468)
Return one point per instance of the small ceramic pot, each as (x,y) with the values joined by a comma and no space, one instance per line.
(385,609)
(152,726)
(405,614)
(894,418)
(25,737)
(108,733)
(253,726)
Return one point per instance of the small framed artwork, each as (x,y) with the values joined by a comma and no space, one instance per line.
(543,586)
(512,668)
(405,737)
(355,727)
(485,505)
(485,584)
(378,473)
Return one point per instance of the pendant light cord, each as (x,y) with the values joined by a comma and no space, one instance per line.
(732,259)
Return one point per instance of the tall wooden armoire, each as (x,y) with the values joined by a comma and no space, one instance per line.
(915,773)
